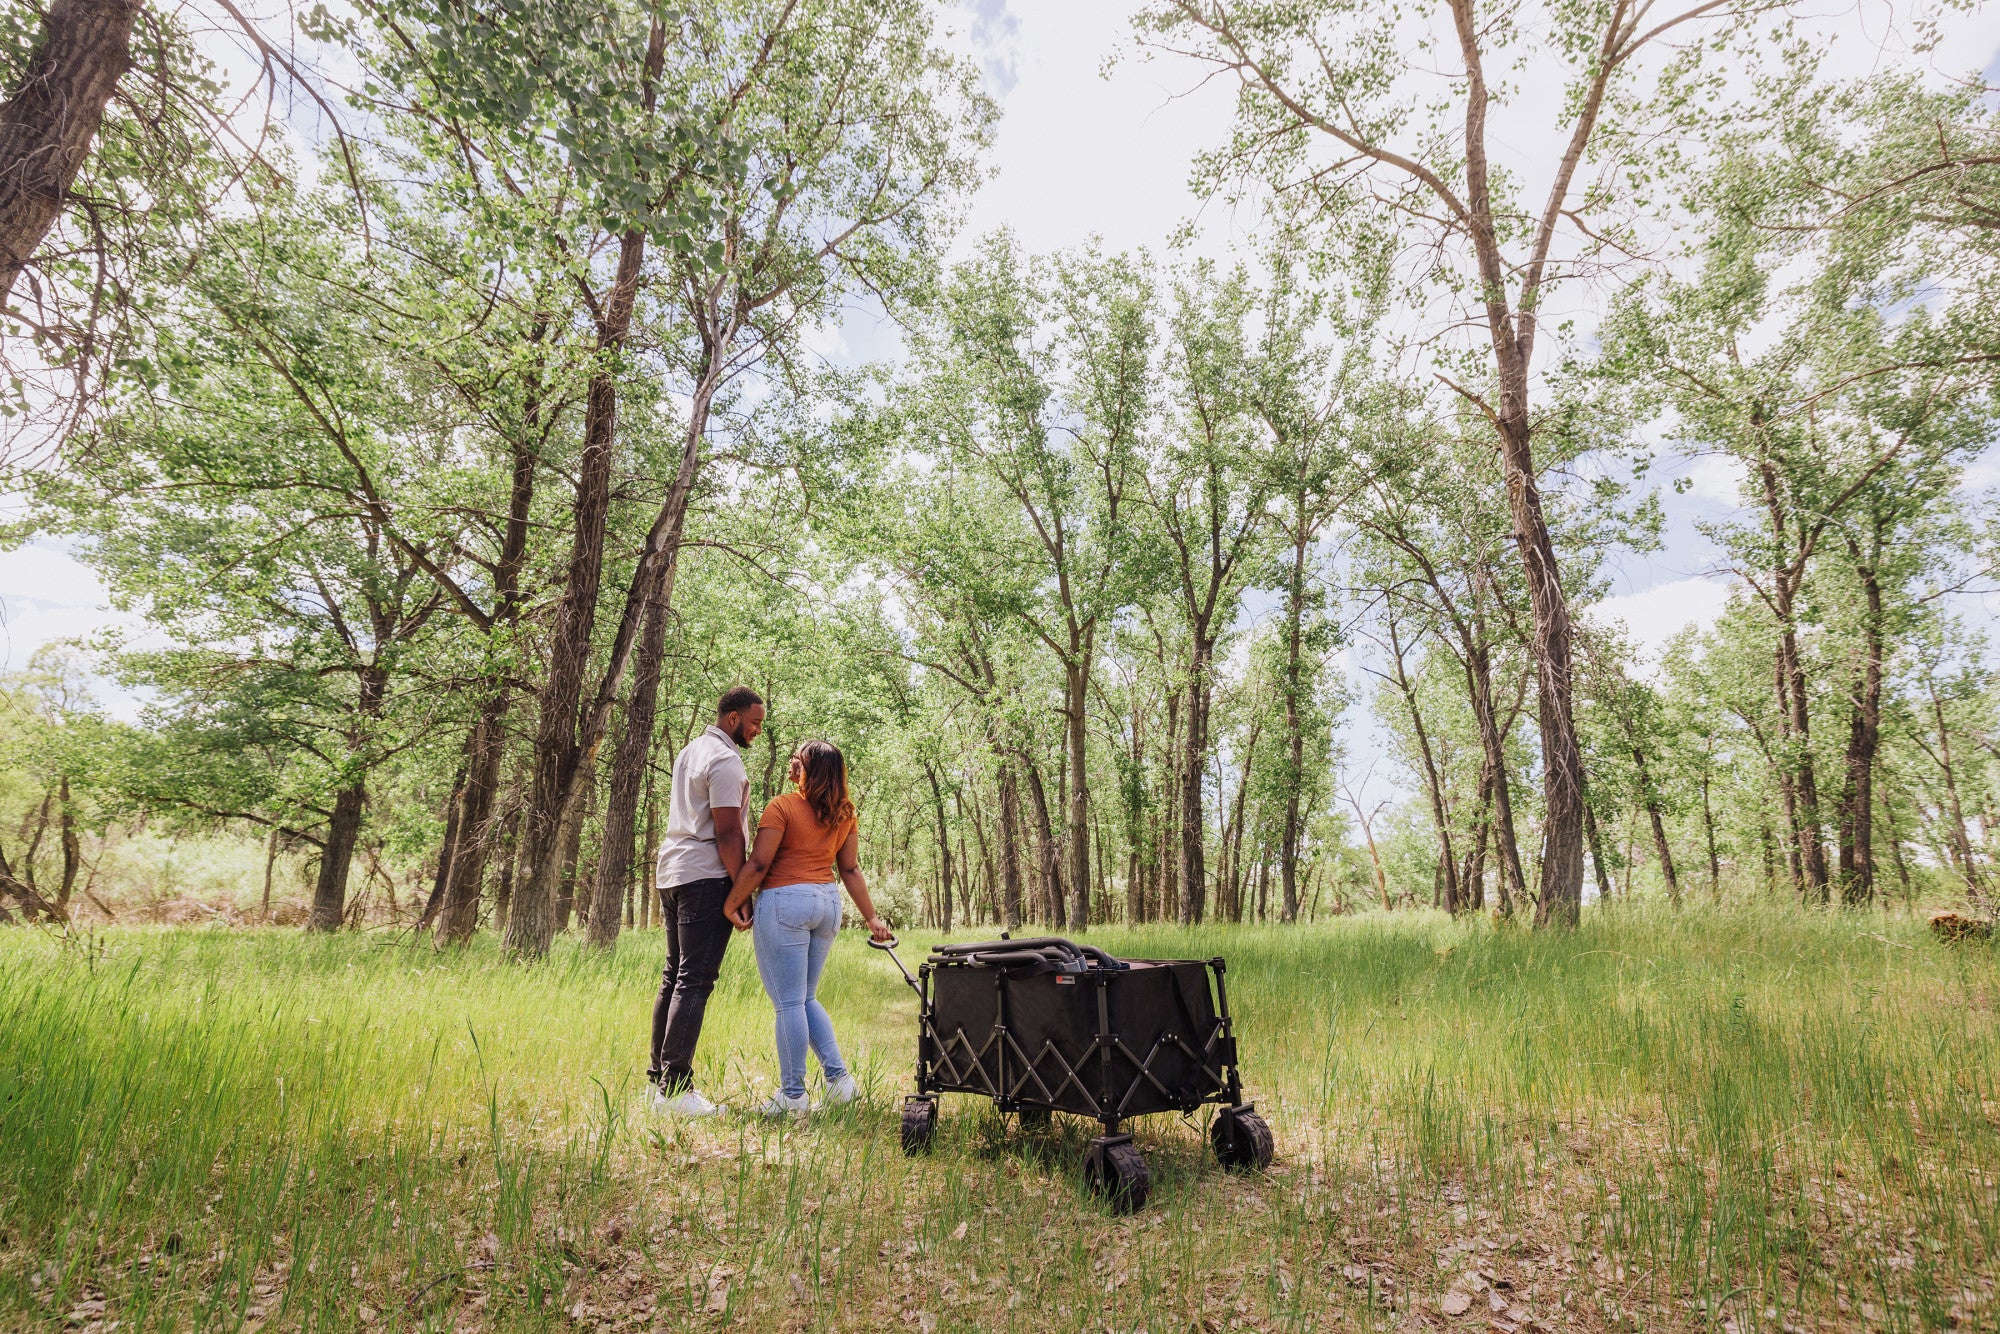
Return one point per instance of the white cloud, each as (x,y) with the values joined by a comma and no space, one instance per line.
(43,574)
(47,594)
(1718,478)
(1659,613)
(1078,153)
(826,339)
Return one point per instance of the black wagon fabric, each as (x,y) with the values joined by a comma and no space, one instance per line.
(1157,1051)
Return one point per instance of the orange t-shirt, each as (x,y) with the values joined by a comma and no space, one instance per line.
(806,848)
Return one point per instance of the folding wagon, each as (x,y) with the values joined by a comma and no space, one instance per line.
(1046,1025)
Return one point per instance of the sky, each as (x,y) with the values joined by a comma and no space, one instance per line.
(1096,141)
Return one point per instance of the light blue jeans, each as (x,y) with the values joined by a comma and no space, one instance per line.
(793,932)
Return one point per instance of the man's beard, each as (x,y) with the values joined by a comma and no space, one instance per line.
(736,735)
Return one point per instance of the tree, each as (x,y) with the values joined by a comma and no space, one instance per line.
(1310,410)
(1324,116)
(51,117)
(859,134)
(243,511)
(1043,384)
(1849,430)
(1209,494)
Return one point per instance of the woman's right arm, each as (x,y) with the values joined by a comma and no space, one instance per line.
(748,880)
(848,861)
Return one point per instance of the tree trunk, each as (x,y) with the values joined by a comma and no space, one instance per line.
(1597,865)
(270,865)
(486,747)
(1049,894)
(572,851)
(1653,815)
(41,819)
(1375,860)
(986,874)
(560,757)
(1801,787)
(1168,851)
(1235,840)
(1708,826)
(1479,679)
(1770,854)
(1434,785)
(1511,334)
(1864,731)
(1961,844)
(447,851)
(1806,807)
(1076,680)
(1194,751)
(628,771)
(72,849)
(1288,841)
(1896,844)
(1472,877)
(30,899)
(1561,879)
(51,117)
(1010,846)
(658,566)
(329,907)
(648,900)
(511,849)
(944,849)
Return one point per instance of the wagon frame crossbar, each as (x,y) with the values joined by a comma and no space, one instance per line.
(1002,1069)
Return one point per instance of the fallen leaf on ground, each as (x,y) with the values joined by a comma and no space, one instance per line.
(1457,1303)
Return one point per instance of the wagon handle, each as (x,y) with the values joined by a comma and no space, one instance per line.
(889,947)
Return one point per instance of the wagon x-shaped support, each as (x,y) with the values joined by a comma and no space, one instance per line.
(1187,1041)
(1002,1069)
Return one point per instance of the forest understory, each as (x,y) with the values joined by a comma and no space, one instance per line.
(1749,1118)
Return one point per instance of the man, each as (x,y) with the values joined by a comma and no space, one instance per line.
(707,831)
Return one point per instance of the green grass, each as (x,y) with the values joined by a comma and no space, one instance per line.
(1661,1122)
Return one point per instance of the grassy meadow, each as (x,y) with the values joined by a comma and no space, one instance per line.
(1749,1119)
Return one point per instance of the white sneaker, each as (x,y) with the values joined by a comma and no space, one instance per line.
(780,1105)
(841,1092)
(687,1103)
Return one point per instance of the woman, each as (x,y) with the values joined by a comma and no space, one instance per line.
(803,836)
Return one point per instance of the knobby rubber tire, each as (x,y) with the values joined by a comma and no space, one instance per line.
(1248,1149)
(919,1124)
(1119,1173)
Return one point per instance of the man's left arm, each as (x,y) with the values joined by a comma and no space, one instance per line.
(730,845)
(729,838)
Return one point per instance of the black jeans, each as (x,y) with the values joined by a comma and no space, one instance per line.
(697,937)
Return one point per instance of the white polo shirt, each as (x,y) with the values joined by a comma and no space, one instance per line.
(707,774)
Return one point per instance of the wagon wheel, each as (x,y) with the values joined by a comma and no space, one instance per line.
(1118,1172)
(919,1124)
(1242,1140)
(1036,1119)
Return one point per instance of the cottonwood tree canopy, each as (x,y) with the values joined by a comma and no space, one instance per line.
(455,456)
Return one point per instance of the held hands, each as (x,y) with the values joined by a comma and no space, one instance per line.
(737,909)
